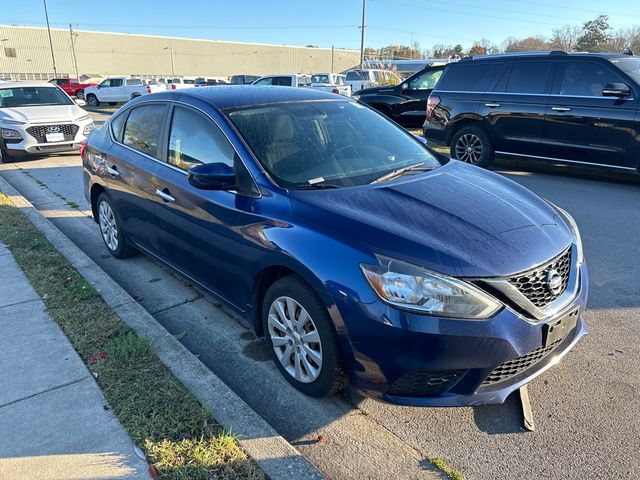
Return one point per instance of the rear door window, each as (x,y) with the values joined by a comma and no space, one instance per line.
(116,82)
(194,140)
(526,77)
(265,81)
(584,79)
(425,80)
(144,127)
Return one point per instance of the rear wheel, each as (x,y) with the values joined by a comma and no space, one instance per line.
(92,100)
(110,229)
(472,145)
(301,337)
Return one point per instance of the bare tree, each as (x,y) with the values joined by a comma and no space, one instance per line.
(565,38)
(528,44)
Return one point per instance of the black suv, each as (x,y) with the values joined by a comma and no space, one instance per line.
(404,103)
(577,108)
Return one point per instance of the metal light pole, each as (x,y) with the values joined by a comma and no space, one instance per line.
(73,50)
(173,68)
(364,6)
(53,57)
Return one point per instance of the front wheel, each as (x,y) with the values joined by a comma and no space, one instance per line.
(92,100)
(80,94)
(472,145)
(110,229)
(301,337)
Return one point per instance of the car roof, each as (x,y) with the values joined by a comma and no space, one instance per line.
(540,54)
(27,84)
(238,96)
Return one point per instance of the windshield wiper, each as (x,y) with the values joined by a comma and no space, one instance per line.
(401,171)
(316,186)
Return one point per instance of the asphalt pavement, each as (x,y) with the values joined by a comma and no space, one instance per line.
(585,408)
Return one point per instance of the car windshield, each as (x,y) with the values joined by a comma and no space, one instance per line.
(32,97)
(320,79)
(630,66)
(358,75)
(327,143)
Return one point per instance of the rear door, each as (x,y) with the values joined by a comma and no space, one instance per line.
(201,230)
(515,108)
(584,126)
(116,91)
(132,162)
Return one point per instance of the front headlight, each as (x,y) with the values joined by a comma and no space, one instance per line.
(414,288)
(575,231)
(88,129)
(10,134)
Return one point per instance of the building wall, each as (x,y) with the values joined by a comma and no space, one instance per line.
(101,54)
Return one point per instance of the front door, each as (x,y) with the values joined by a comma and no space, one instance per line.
(584,126)
(414,92)
(201,230)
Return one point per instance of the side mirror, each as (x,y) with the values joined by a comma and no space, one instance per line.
(212,176)
(619,90)
(80,102)
(404,87)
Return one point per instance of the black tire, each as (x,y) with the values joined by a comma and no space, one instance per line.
(331,377)
(472,145)
(80,94)
(92,100)
(123,249)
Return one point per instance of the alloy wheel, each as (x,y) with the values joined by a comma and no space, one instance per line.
(108,226)
(295,339)
(469,148)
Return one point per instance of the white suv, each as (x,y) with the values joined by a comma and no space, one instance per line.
(39,118)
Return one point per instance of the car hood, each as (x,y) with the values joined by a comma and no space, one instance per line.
(458,219)
(375,90)
(43,114)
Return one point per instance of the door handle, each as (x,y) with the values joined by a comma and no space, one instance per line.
(492,105)
(113,171)
(164,195)
(561,109)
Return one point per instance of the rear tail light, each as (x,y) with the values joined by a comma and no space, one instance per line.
(335,90)
(173,86)
(432,103)
(83,148)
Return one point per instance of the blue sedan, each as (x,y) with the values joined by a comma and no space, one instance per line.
(360,255)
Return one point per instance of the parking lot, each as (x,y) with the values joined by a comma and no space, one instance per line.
(585,408)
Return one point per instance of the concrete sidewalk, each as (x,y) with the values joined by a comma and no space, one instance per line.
(53,424)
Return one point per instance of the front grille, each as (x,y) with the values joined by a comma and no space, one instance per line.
(533,284)
(425,383)
(39,131)
(514,367)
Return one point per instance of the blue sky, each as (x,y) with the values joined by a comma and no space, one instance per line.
(324,22)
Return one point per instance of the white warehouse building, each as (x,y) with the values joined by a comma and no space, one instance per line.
(25,54)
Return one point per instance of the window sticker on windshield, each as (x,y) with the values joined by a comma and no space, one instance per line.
(6,93)
(316,180)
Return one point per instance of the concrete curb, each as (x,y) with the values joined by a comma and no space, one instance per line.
(275,456)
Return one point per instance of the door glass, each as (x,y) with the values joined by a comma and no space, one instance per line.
(474,77)
(193,140)
(585,79)
(144,128)
(528,77)
(425,81)
(106,83)
(265,81)
(283,81)
(117,124)
(133,81)
(116,82)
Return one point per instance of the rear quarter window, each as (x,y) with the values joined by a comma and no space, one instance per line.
(144,127)
(472,77)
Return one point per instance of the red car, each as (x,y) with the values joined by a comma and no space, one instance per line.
(71,86)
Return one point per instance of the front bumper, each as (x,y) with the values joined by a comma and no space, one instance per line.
(32,143)
(457,357)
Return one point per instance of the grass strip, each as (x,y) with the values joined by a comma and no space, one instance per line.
(450,472)
(178,435)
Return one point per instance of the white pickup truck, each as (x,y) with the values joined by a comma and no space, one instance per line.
(331,82)
(117,90)
(301,80)
(358,79)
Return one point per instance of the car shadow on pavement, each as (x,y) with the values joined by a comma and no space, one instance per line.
(500,419)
